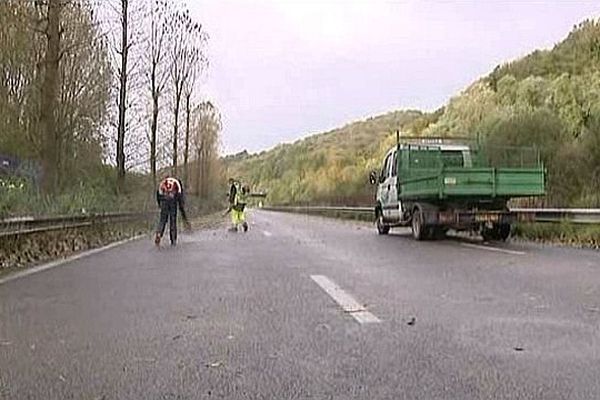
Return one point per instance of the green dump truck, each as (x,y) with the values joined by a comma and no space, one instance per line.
(434,185)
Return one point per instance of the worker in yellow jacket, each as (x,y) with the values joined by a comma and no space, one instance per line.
(238,214)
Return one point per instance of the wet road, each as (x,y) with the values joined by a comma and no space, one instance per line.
(306,308)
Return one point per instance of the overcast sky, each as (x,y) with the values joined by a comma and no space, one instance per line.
(283,69)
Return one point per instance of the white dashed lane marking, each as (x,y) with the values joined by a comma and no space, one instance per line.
(347,302)
(496,249)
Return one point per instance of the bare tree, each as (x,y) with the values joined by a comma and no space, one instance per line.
(189,91)
(123,27)
(84,91)
(206,128)
(157,73)
(122,102)
(49,98)
(186,52)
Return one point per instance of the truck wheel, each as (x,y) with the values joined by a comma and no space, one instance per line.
(503,232)
(418,228)
(439,233)
(382,228)
(489,234)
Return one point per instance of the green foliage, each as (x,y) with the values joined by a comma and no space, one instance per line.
(578,54)
(84,87)
(95,194)
(330,167)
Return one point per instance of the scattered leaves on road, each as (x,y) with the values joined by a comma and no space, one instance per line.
(4,390)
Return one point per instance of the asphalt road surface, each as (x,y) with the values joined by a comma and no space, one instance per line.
(306,308)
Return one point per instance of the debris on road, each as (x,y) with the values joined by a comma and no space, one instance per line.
(518,348)
(62,378)
(323,327)
(215,364)
(411,321)
(191,317)
(177,337)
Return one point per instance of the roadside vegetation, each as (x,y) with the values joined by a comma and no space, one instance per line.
(97,101)
(580,235)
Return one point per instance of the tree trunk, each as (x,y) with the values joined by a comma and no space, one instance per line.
(203,174)
(198,170)
(153,128)
(187,140)
(122,99)
(48,103)
(176,133)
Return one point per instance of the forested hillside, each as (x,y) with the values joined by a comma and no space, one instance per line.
(328,167)
(550,99)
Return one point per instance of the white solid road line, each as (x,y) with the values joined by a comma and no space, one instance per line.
(496,249)
(44,267)
(347,302)
(267,233)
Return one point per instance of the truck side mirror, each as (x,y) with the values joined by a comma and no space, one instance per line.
(373,177)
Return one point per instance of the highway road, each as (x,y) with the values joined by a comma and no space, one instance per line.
(306,308)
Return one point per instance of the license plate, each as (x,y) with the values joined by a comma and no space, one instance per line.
(487,217)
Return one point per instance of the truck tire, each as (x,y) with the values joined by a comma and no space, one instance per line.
(382,228)
(419,231)
(497,232)
(489,234)
(503,232)
(438,233)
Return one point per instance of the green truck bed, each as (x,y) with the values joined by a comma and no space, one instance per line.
(460,172)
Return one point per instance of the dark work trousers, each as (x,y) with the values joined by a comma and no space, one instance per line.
(168,210)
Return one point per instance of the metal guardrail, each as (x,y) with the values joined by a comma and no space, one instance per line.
(572,215)
(29,225)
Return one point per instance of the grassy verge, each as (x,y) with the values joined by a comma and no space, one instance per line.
(577,235)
